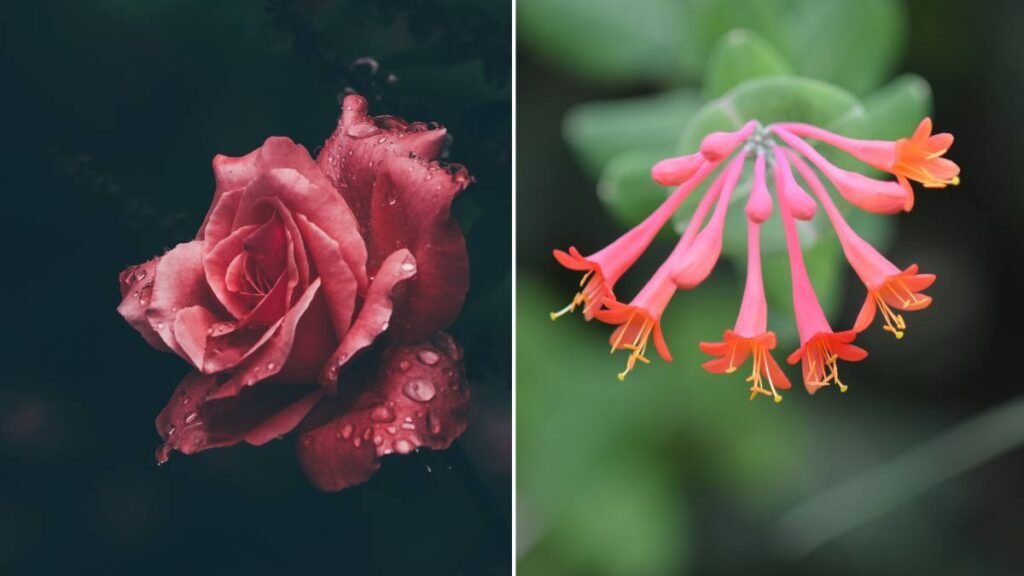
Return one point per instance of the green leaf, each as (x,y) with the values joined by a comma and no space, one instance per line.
(894,110)
(605,41)
(741,55)
(626,189)
(598,131)
(851,43)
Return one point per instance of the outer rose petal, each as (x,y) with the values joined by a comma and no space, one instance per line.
(191,422)
(375,315)
(417,398)
(179,284)
(136,292)
(385,170)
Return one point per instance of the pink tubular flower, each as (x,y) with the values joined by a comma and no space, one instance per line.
(776,149)
(750,335)
(866,193)
(640,319)
(887,286)
(604,268)
(820,347)
(918,158)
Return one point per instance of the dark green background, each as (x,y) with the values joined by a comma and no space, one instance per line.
(113,111)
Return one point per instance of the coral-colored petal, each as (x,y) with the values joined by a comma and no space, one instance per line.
(416,398)
(572,261)
(866,315)
(660,345)
(385,169)
(778,377)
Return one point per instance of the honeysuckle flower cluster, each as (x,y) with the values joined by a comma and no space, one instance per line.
(778,152)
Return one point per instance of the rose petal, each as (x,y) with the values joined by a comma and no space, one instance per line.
(191,327)
(178,284)
(234,173)
(136,287)
(383,167)
(320,203)
(375,315)
(339,284)
(269,354)
(192,422)
(215,264)
(416,398)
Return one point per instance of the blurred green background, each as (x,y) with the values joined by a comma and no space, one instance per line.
(918,468)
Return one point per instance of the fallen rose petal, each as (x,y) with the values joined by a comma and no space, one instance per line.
(384,168)
(192,421)
(374,317)
(416,398)
(136,291)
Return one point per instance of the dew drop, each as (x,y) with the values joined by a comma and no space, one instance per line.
(171,430)
(382,414)
(271,365)
(357,442)
(346,431)
(159,325)
(428,357)
(367,433)
(383,326)
(404,365)
(382,140)
(408,266)
(140,273)
(191,417)
(391,196)
(419,389)
(392,430)
(378,440)
(403,447)
(408,426)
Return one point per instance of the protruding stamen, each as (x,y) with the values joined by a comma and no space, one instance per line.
(638,347)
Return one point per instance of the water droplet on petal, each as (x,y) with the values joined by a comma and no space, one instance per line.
(159,325)
(408,266)
(382,414)
(191,417)
(171,430)
(163,453)
(140,273)
(383,326)
(271,365)
(408,426)
(419,389)
(428,357)
(392,430)
(404,365)
(382,140)
(403,447)
(346,431)
(367,433)
(357,442)
(391,196)
(378,440)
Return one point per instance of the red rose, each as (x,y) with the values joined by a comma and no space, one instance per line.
(313,294)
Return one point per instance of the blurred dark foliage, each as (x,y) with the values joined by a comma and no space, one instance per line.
(113,111)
